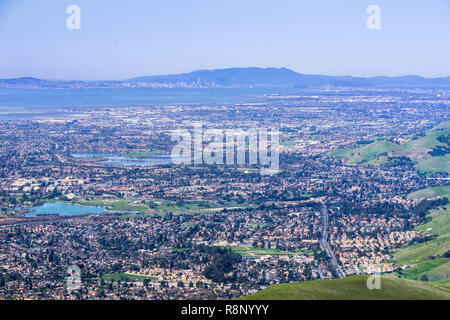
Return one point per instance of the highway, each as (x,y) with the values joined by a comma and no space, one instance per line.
(324,243)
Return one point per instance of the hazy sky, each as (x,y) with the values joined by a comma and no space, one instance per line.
(123,39)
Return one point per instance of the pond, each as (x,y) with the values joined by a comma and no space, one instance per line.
(119,160)
(130,162)
(92,155)
(63,209)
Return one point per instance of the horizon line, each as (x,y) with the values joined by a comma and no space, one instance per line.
(229,68)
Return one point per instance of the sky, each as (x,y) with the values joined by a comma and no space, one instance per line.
(125,39)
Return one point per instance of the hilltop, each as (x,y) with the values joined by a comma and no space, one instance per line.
(354,288)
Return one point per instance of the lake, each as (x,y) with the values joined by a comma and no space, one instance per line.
(129,162)
(118,160)
(63,209)
(92,155)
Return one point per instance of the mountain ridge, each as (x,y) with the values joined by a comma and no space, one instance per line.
(235,78)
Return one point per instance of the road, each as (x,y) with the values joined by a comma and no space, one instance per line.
(324,243)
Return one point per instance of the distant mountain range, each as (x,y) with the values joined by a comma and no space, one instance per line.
(236,78)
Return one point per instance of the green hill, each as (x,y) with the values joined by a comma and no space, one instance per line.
(442,191)
(417,150)
(428,258)
(354,288)
(368,154)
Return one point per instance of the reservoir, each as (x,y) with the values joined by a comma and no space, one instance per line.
(63,209)
(119,160)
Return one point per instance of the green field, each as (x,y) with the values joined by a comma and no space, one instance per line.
(193,207)
(125,277)
(116,204)
(341,153)
(354,288)
(156,207)
(186,207)
(257,252)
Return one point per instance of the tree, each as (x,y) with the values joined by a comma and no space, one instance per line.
(424,277)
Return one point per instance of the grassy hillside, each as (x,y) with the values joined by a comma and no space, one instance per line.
(368,153)
(427,258)
(434,164)
(374,150)
(417,150)
(442,191)
(440,223)
(354,288)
